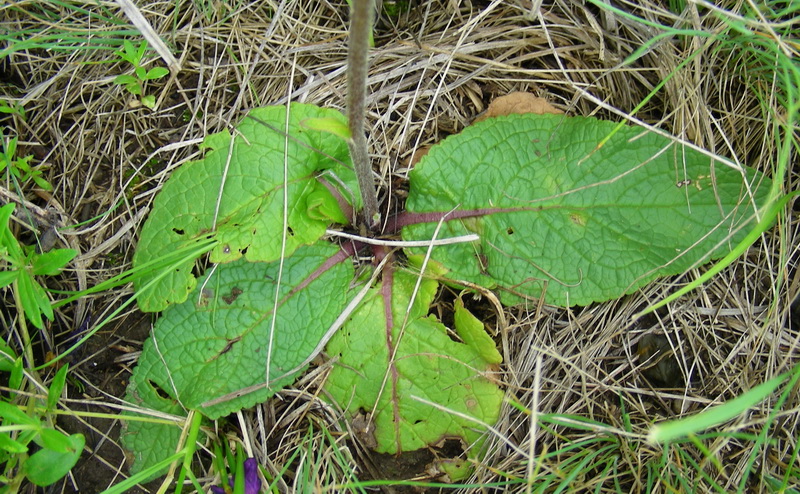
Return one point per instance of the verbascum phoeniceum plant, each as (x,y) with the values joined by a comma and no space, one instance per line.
(568,209)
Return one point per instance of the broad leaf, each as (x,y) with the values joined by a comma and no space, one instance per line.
(47,466)
(384,364)
(218,341)
(54,440)
(557,207)
(51,263)
(237,192)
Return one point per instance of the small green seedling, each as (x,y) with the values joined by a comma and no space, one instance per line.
(134,84)
(13,168)
(21,264)
(55,452)
(11,108)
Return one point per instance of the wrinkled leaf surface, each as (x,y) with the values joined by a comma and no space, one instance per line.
(216,342)
(554,208)
(237,192)
(419,359)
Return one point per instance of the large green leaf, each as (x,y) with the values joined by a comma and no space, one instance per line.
(554,208)
(241,184)
(384,364)
(217,342)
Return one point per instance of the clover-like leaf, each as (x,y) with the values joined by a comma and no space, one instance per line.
(218,342)
(575,207)
(236,195)
(392,358)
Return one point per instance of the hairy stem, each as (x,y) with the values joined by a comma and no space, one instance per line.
(360,25)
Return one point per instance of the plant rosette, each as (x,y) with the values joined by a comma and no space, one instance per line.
(572,209)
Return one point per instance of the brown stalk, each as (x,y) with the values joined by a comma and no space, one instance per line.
(360,25)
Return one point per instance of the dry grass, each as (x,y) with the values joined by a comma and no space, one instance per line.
(434,68)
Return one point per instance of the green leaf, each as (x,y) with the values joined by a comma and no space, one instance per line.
(10,445)
(46,466)
(7,239)
(8,277)
(11,148)
(128,52)
(16,377)
(7,357)
(125,79)
(473,333)
(56,387)
(149,101)
(34,299)
(457,469)
(427,365)
(217,342)
(139,54)
(51,263)
(250,217)
(22,165)
(321,205)
(54,440)
(13,415)
(333,126)
(555,208)
(42,183)
(156,73)
(672,430)
(134,88)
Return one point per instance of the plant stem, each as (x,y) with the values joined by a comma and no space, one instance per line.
(360,26)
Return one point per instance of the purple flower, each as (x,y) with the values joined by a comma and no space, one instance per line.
(252,484)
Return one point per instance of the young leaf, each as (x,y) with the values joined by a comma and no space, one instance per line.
(7,239)
(54,440)
(246,217)
(16,376)
(220,338)
(56,387)
(10,445)
(10,149)
(7,357)
(51,263)
(128,53)
(41,183)
(34,299)
(139,54)
(558,207)
(155,73)
(134,88)
(420,361)
(472,332)
(126,79)
(8,277)
(149,101)
(333,126)
(13,415)
(46,466)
